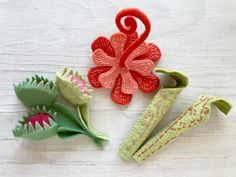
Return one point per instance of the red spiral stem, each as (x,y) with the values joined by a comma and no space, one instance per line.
(130,27)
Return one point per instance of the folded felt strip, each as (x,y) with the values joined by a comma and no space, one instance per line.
(196,114)
(153,114)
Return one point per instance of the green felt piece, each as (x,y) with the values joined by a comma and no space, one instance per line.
(71,124)
(71,92)
(152,115)
(37,91)
(68,108)
(84,114)
(38,132)
(197,113)
(69,89)
(67,121)
(83,111)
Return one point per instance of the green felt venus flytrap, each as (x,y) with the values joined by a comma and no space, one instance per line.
(73,88)
(50,114)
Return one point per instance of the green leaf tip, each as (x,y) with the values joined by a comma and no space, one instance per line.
(180,79)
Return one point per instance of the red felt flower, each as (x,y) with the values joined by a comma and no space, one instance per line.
(125,62)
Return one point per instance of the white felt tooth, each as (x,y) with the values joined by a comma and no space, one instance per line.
(44,110)
(33,109)
(46,126)
(25,127)
(38,109)
(47,86)
(34,83)
(28,83)
(38,126)
(54,89)
(52,122)
(31,128)
(40,84)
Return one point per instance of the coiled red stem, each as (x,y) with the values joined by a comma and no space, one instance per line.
(130,27)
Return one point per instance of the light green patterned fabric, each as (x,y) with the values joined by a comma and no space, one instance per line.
(197,113)
(152,115)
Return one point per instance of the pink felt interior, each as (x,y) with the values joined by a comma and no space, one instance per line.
(79,82)
(40,118)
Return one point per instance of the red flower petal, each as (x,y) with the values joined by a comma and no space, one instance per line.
(131,38)
(117,95)
(154,52)
(147,84)
(94,73)
(104,44)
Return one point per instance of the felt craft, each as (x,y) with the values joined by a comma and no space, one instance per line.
(43,91)
(153,114)
(38,124)
(196,114)
(124,62)
(50,113)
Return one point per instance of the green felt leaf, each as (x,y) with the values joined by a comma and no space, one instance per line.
(37,91)
(67,121)
(71,124)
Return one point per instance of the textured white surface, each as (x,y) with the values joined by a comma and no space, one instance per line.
(196,37)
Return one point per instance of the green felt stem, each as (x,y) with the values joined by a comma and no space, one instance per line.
(71,124)
(152,115)
(83,112)
(197,113)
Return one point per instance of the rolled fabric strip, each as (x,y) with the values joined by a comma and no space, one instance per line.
(152,115)
(197,113)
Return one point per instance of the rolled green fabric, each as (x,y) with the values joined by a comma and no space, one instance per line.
(197,113)
(152,115)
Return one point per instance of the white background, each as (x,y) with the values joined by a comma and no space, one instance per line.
(197,37)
